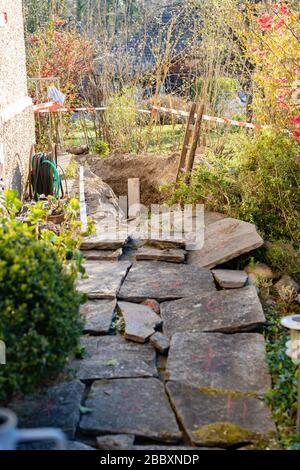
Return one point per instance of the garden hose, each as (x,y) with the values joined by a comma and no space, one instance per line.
(45,178)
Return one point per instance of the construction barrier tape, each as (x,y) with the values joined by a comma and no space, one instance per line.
(52,107)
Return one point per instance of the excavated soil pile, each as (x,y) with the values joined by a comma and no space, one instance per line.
(153,171)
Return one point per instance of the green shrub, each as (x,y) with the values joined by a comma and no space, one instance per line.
(283,259)
(255,178)
(102,148)
(39,320)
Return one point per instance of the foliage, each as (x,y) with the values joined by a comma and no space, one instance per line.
(283,259)
(40,321)
(62,53)
(254,178)
(124,123)
(220,89)
(272,42)
(101,148)
(283,396)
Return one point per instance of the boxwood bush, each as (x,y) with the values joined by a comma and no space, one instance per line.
(39,309)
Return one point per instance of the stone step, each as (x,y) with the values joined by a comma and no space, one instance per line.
(228,362)
(225,240)
(230,311)
(102,255)
(230,279)
(212,418)
(155,254)
(104,278)
(112,357)
(137,407)
(164,281)
(98,316)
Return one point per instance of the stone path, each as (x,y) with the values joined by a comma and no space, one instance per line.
(192,373)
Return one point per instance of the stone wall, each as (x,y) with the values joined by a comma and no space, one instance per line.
(16,112)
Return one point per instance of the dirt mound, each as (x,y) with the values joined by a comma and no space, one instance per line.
(153,171)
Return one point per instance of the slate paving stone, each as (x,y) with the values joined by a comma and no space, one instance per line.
(104,279)
(214,419)
(162,242)
(137,407)
(98,316)
(57,407)
(228,362)
(164,281)
(160,342)
(115,442)
(230,279)
(114,357)
(76,445)
(224,240)
(229,311)
(102,255)
(101,241)
(156,254)
(141,321)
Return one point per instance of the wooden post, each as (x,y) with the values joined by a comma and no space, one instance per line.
(133,197)
(195,140)
(82,204)
(186,140)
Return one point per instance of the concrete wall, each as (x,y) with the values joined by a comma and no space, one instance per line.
(16,113)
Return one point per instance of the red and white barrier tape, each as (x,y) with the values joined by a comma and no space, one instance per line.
(52,107)
(219,120)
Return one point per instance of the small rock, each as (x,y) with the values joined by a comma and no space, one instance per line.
(78,150)
(160,342)
(140,321)
(152,303)
(115,442)
(287,289)
(259,270)
(229,279)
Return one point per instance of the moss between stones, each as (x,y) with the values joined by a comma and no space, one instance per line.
(223,433)
(227,393)
(228,434)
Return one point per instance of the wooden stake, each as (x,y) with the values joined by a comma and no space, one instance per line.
(134,200)
(186,140)
(195,140)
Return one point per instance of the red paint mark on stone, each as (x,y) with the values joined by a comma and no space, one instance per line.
(210,356)
(229,407)
(245,410)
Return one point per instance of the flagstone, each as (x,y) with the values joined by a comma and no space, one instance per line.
(164,281)
(230,279)
(229,311)
(137,407)
(114,357)
(102,255)
(104,279)
(224,240)
(214,419)
(98,316)
(57,407)
(101,241)
(141,321)
(169,255)
(214,360)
